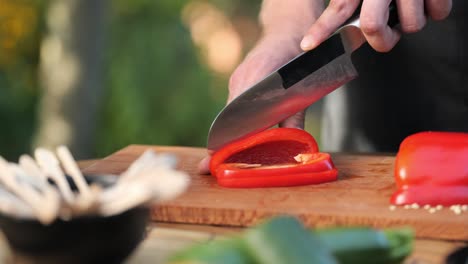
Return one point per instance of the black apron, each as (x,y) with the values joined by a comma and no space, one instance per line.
(420,85)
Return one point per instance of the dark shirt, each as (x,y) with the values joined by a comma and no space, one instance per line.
(420,85)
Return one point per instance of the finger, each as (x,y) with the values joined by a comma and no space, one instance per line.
(204,165)
(295,121)
(411,15)
(240,80)
(438,9)
(332,17)
(374,19)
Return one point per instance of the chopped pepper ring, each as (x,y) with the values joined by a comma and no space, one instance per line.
(272,158)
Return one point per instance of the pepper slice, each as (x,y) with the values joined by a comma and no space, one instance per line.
(432,168)
(272,158)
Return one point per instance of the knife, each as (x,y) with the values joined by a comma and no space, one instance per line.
(294,86)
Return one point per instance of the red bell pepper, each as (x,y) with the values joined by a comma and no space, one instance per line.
(272,158)
(431,168)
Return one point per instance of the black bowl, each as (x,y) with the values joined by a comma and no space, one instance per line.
(458,256)
(87,239)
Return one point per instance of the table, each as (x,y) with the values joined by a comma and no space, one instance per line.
(163,239)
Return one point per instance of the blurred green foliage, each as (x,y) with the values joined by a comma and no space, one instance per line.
(21,23)
(157,90)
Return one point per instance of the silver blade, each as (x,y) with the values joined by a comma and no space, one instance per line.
(285,92)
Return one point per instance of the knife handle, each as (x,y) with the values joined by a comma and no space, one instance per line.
(393,19)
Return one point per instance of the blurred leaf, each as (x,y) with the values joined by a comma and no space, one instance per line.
(19,53)
(158,92)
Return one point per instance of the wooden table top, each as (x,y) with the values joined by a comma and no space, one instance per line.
(164,239)
(360,197)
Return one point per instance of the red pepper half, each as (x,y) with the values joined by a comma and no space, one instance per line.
(272,158)
(432,168)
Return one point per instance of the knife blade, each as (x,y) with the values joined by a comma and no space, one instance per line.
(294,86)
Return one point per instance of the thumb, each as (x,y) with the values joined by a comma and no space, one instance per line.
(294,121)
(204,165)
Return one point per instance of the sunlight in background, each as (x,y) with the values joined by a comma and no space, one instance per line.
(44,69)
(212,31)
(60,71)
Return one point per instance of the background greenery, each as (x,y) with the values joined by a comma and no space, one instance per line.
(21,24)
(158,85)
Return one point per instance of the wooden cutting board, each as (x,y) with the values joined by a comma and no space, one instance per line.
(359,197)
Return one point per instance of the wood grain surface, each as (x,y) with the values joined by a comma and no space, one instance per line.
(359,197)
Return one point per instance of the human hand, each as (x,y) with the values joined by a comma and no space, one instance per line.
(373,18)
(269,54)
(283,24)
(266,57)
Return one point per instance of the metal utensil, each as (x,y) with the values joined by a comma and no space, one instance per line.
(294,86)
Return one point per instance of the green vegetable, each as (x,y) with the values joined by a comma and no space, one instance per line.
(401,244)
(284,240)
(365,245)
(228,251)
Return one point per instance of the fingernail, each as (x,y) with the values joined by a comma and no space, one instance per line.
(308,42)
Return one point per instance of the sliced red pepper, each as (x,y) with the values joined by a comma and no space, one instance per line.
(432,168)
(272,158)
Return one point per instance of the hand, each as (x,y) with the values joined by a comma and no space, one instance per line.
(374,17)
(269,54)
(284,24)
